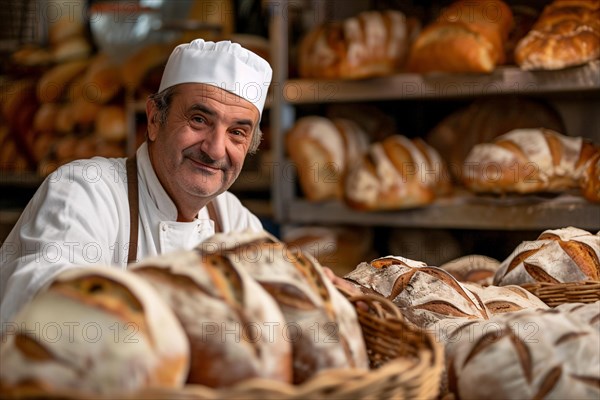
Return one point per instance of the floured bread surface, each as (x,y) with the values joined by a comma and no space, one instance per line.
(321,324)
(423,293)
(95,330)
(557,256)
(528,354)
(235,328)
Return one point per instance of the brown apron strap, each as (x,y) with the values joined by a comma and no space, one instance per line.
(212,213)
(132,195)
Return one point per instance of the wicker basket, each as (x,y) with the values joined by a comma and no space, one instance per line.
(555,294)
(406,364)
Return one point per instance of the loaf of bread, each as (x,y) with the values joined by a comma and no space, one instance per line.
(469,36)
(373,43)
(322,149)
(590,181)
(566,34)
(321,324)
(504,299)
(485,119)
(396,173)
(53,84)
(588,313)
(559,255)
(531,354)
(527,161)
(111,123)
(235,328)
(94,331)
(473,268)
(340,248)
(423,293)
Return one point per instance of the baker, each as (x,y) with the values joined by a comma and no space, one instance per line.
(172,194)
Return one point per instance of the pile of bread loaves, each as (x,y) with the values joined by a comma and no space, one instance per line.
(467,36)
(493,146)
(239,306)
(501,341)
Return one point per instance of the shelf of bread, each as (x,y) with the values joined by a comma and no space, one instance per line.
(503,80)
(461,211)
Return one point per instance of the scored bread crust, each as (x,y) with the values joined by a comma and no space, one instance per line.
(322,325)
(557,256)
(566,34)
(136,341)
(527,161)
(590,181)
(219,307)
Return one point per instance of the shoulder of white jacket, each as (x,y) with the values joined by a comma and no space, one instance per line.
(93,170)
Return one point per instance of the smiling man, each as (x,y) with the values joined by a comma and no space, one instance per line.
(172,195)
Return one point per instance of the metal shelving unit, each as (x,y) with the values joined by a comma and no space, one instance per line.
(462,211)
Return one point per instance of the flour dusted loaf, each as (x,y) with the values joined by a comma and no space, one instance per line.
(557,255)
(529,354)
(321,324)
(424,294)
(397,173)
(473,268)
(373,43)
(527,161)
(95,330)
(485,119)
(588,313)
(322,148)
(469,36)
(566,34)
(234,327)
(504,299)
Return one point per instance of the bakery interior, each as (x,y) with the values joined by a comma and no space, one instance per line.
(384,132)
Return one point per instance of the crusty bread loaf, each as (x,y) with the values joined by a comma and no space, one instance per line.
(531,354)
(235,329)
(96,330)
(504,299)
(473,268)
(423,293)
(373,43)
(527,161)
(588,312)
(396,173)
(111,123)
(340,248)
(590,181)
(74,48)
(559,255)
(485,119)
(566,34)
(467,37)
(321,324)
(321,150)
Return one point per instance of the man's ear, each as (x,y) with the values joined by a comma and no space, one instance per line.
(153,123)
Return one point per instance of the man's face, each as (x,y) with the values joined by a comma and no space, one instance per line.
(200,150)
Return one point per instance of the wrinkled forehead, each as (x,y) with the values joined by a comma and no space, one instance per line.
(194,93)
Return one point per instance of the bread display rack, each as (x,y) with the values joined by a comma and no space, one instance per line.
(464,210)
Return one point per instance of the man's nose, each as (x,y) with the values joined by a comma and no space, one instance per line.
(214,143)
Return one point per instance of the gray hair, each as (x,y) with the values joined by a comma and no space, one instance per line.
(163,100)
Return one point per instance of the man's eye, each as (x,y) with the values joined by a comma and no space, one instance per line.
(198,119)
(238,132)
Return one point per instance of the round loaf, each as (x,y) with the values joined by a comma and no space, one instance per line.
(52,85)
(423,293)
(559,255)
(474,268)
(528,355)
(373,43)
(321,324)
(235,329)
(322,150)
(527,161)
(96,330)
(111,123)
(566,34)
(588,313)
(396,173)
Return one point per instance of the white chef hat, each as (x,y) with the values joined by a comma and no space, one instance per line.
(223,64)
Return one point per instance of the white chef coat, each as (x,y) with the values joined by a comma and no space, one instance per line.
(80,216)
